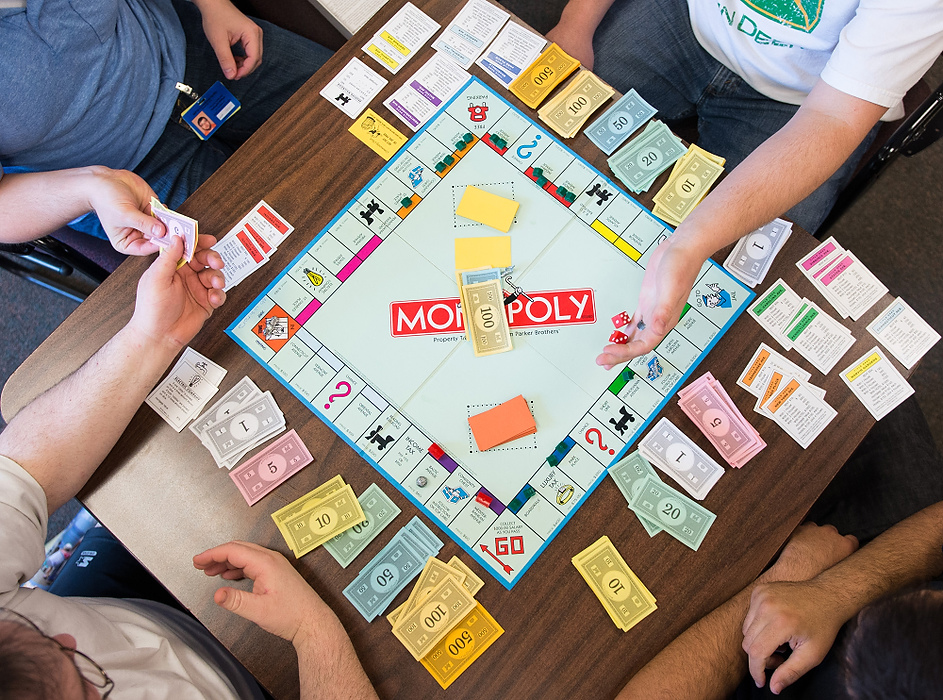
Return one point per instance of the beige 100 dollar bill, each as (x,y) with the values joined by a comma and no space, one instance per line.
(619,590)
(485,320)
(432,574)
(321,520)
(440,611)
(568,111)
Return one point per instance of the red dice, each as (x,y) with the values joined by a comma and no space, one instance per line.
(620,319)
(618,338)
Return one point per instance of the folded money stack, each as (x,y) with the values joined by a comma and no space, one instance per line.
(646,157)
(177,225)
(391,570)
(674,453)
(318,516)
(690,181)
(619,590)
(706,403)
(441,624)
(619,122)
(540,78)
(378,511)
(753,255)
(482,298)
(658,506)
(574,104)
(238,423)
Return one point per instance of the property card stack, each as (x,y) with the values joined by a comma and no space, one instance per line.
(251,242)
(753,255)
(183,393)
(844,281)
(238,423)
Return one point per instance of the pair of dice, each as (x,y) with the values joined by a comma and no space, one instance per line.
(619,320)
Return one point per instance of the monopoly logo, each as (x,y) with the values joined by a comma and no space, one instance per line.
(565,307)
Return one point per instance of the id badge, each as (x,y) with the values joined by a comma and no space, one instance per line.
(211,111)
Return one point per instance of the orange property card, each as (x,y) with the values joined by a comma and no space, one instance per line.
(509,421)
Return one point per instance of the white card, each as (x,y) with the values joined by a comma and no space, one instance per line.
(400,38)
(511,52)
(774,308)
(903,332)
(799,412)
(212,372)
(852,284)
(181,396)
(421,96)
(759,369)
(469,33)
(877,383)
(353,88)
(818,337)
(241,257)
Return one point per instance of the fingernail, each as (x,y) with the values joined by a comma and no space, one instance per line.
(156,229)
(230,72)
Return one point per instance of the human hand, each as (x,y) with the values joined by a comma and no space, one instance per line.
(121,198)
(575,42)
(801,614)
(811,549)
(281,601)
(173,304)
(666,286)
(226,26)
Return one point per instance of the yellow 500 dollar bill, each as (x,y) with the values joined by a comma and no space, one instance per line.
(457,650)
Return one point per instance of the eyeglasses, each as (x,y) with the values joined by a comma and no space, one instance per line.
(87,668)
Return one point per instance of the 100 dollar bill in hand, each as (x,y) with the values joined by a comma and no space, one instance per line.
(619,590)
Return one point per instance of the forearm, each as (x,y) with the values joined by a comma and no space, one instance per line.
(584,16)
(63,435)
(782,171)
(35,204)
(328,666)
(908,553)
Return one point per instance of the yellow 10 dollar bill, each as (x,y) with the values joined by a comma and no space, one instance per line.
(619,590)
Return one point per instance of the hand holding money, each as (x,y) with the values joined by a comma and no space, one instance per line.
(121,198)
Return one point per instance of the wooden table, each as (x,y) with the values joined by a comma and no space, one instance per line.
(162,496)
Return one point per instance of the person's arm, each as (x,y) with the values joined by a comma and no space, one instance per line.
(35,204)
(62,436)
(281,602)
(225,26)
(780,173)
(706,660)
(578,23)
(807,616)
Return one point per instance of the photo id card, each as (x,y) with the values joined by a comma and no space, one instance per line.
(211,111)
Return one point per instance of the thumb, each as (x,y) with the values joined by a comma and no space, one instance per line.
(239,602)
(147,225)
(164,268)
(802,660)
(220,44)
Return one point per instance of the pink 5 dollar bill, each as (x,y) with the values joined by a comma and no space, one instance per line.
(261,474)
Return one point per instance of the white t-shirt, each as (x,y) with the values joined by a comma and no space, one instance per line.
(875,50)
(143,657)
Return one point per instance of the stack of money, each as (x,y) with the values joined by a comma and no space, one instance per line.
(619,122)
(319,515)
(378,511)
(685,520)
(628,474)
(540,78)
(238,423)
(673,452)
(646,157)
(177,225)
(441,624)
(706,403)
(390,571)
(753,255)
(619,590)
(690,180)
(486,322)
(574,104)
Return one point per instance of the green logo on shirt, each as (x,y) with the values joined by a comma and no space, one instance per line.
(803,15)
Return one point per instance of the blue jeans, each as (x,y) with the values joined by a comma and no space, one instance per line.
(649,45)
(180,162)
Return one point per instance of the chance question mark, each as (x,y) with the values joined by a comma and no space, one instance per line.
(330,399)
(598,439)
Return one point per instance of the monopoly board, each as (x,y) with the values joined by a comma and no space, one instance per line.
(365,328)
